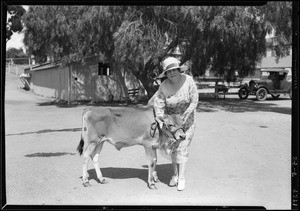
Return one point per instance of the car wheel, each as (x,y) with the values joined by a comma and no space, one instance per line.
(243,93)
(275,96)
(261,94)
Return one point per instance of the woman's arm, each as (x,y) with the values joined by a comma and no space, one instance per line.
(159,103)
(194,98)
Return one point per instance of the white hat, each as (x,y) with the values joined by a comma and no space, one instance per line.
(170,63)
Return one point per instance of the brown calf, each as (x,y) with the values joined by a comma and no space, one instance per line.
(124,127)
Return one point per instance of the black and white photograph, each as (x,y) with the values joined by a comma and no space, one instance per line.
(150,105)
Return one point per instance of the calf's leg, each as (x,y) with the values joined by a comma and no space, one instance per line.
(86,157)
(152,159)
(95,157)
(85,175)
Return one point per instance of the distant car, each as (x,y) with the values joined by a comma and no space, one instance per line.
(222,88)
(275,83)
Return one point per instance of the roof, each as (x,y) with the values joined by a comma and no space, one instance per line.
(274,70)
(57,63)
(269,62)
(42,67)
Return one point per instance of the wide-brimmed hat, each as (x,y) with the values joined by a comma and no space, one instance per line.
(171,63)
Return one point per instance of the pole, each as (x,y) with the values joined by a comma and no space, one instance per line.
(69,84)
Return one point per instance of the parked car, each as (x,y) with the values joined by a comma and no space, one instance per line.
(275,84)
(222,88)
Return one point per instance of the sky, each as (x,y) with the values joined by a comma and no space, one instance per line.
(16,40)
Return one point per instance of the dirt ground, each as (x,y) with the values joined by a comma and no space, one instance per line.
(240,156)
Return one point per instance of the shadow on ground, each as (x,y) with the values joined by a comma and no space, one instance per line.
(204,105)
(164,173)
(47,131)
(48,154)
(64,104)
(240,106)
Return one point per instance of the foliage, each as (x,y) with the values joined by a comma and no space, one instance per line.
(15,53)
(278,17)
(18,56)
(69,33)
(226,40)
(140,42)
(137,38)
(14,23)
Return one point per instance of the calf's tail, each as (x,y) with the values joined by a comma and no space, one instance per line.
(81,143)
(80,146)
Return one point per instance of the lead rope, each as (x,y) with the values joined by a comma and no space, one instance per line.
(153,128)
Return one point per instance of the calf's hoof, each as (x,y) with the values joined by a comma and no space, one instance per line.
(155,178)
(86,184)
(152,187)
(173,182)
(103,181)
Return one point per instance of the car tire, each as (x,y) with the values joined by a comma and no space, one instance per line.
(261,94)
(243,93)
(274,96)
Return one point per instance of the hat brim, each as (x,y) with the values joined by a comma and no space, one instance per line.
(163,74)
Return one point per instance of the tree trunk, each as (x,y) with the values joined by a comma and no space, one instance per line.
(121,80)
(149,86)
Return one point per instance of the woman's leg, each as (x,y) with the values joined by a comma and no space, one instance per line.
(181,170)
(181,176)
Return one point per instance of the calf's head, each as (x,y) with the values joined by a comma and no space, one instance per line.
(172,126)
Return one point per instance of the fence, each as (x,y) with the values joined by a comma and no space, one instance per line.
(211,88)
(17,65)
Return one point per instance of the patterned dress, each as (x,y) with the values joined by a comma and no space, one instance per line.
(184,100)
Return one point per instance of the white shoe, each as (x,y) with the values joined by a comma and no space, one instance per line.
(181,184)
(173,181)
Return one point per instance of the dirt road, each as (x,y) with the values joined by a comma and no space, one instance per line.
(240,156)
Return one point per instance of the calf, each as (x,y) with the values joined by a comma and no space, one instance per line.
(124,127)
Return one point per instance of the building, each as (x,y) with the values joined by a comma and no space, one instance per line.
(79,82)
(269,62)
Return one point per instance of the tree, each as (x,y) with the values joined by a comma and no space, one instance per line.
(73,33)
(15,53)
(140,42)
(278,17)
(137,38)
(14,23)
(18,55)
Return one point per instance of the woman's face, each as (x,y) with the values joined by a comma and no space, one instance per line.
(171,74)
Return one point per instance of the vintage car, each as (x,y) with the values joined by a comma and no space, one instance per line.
(222,88)
(273,82)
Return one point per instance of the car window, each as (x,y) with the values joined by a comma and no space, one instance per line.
(281,77)
(271,76)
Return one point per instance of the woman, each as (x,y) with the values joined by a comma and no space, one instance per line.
(177,94)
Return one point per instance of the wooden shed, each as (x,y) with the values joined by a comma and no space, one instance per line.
(79,82)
